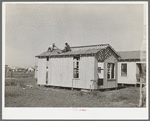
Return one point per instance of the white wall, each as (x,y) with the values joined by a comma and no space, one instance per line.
(131,73)
(86,71)
(60,72)
(41,71)
(36,73)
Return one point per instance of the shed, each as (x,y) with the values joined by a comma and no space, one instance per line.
(85,67)
(130,66)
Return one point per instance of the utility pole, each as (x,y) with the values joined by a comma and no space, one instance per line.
(142,54)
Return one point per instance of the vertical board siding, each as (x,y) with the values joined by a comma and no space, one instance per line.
(86,70)
(110,83)
(60,72)
(131,73)
(86,73)
(41,71)
(49,71)
(95,73)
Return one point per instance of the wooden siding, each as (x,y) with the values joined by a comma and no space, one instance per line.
(41,71)
(86,73)
(36,73)
(103,54)
(131,73)
(95,73)
(110,83)
(60,72)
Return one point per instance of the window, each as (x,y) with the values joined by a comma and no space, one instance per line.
(99,69)
(110,71)
(123,69)
(76,67)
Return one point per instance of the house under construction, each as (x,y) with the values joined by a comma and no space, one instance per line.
(85,67)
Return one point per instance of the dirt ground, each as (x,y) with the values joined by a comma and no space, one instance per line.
(24,92)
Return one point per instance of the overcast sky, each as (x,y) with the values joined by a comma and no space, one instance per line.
(32,28)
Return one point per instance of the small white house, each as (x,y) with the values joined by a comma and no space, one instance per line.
(30,69)
(129,67)
(84,67)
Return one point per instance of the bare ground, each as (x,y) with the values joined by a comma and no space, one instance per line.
(19,95)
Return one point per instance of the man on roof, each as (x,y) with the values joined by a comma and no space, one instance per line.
(52,47)
(66,49)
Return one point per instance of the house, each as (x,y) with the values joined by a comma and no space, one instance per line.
(130,66)
(21,69)
(15,68)
(85,67)
(30,69)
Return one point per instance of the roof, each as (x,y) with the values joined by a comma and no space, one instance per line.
(78,50)
(126,55)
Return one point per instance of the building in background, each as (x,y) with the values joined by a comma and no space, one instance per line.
(130,67)
(31,69)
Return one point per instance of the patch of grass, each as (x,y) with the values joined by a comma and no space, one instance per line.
(12,95)
(12,82)
(80,93)
(21,74)
(94,93)
(22,84)
(15,82)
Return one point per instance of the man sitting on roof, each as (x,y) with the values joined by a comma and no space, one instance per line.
(51,48)
(66,49)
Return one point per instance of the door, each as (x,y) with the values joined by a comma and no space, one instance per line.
(100,74)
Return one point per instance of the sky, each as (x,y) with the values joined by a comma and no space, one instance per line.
(31,28)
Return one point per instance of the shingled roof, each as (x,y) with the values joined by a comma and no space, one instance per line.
(130,55)
(78,50)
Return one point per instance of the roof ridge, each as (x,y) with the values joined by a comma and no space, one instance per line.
(90,45)
(128,50)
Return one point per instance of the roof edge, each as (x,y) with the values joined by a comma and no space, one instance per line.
(114,50)
(90,46)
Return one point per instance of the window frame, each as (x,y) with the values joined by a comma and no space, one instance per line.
(110,71)
(76,65)
(122,69)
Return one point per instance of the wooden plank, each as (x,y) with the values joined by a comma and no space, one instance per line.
(42,71)
(49,71)
(70,71)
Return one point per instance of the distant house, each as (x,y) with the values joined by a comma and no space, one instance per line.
(21,69)
(15,68)
(31,69)
(130,67)
(84,67)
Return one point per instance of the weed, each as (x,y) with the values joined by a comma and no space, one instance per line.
(94,93)
(80,93)
(22,84)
